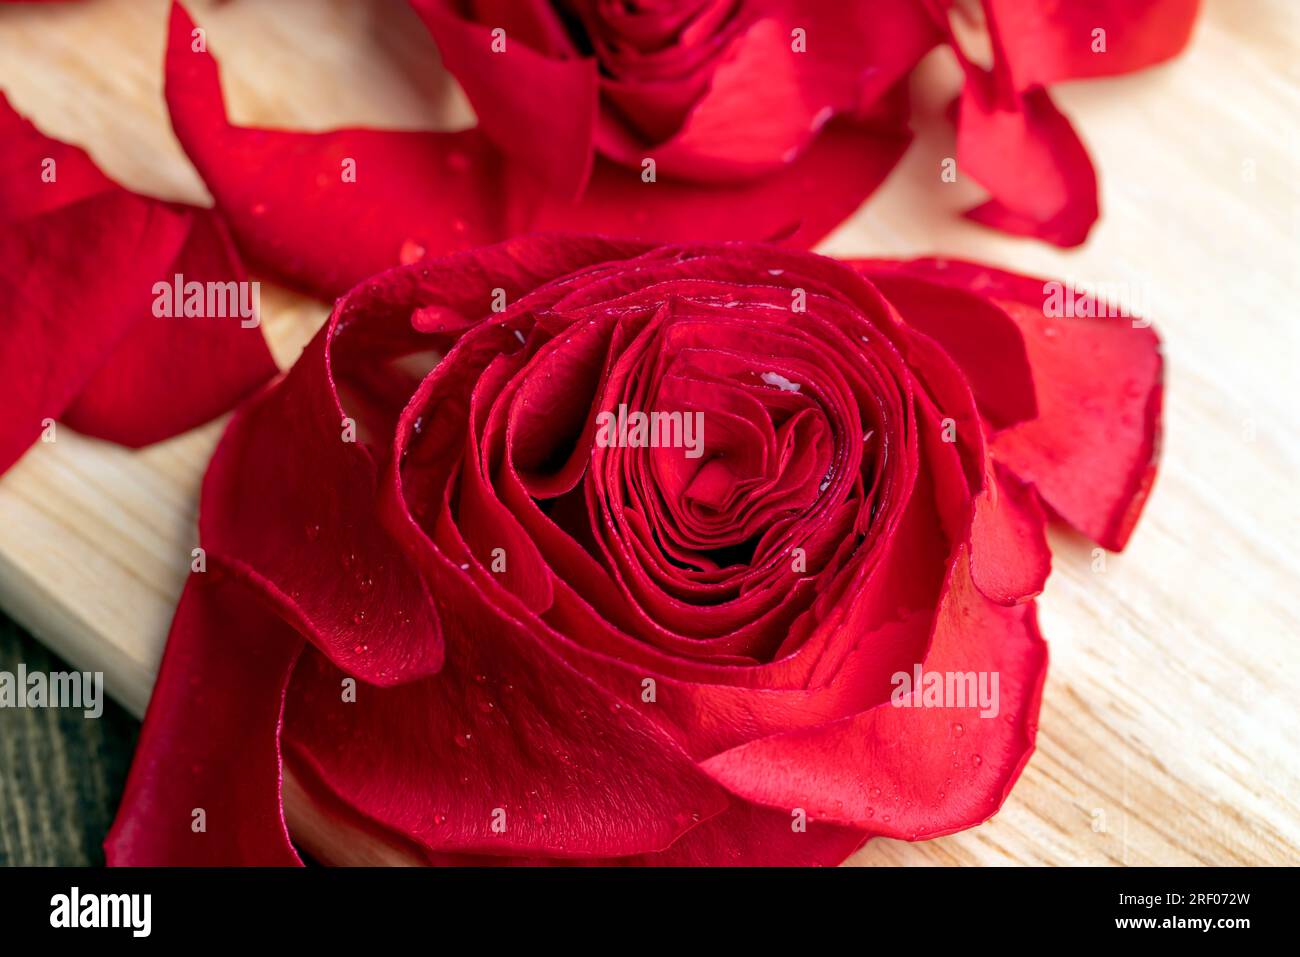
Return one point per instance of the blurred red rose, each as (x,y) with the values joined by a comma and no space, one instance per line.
(765,120)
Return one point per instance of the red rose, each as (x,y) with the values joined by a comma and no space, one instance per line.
(482,614)
(706,120)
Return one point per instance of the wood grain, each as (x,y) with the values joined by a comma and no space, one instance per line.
(1168,733)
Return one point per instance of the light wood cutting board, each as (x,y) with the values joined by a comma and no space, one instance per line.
(1169,732)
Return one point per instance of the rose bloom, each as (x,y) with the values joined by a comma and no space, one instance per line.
(462,630)
(768,120)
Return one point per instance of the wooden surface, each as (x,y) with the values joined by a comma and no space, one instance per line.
(1169,732)
(61,775)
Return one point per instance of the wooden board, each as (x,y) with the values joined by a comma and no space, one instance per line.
(1169,732)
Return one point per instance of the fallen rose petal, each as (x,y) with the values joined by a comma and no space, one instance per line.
(69,305)
(98,355)
(172,374)
(1048,43)
(1032,163)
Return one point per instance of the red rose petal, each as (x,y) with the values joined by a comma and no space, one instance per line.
(288,198)
(799,204)
(505,726)
(211,735)
(983,339)
(913,772)
(1010,559)
(366,608)
(39,174)
(537,109)
(76,282)
(110,368)
(1033,164)
(1092,451)
(1047,43)
(171,374)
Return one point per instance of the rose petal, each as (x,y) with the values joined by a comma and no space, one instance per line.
(1091,453)
(76,281)
(171,374)
(326,210)
(1047,43)
(204,788)
(39,174)
(1033,164)
(1009,556)
(974,331)
(799,204)
(307,531)
(539,110)
(914,772)
(130,377)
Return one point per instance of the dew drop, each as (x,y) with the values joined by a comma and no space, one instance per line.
(411,252)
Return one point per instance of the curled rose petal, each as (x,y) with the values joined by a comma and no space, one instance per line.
(1033,164)
(635,553)
(1011,138)
(903,769)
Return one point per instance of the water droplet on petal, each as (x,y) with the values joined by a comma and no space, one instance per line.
(411,252)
